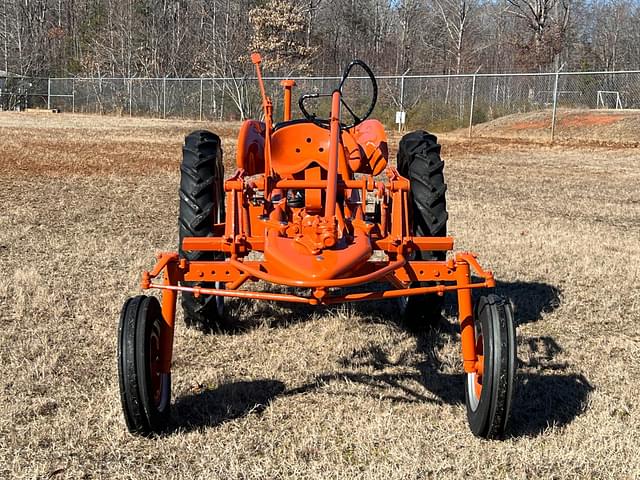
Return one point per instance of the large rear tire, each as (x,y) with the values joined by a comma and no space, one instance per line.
(201,206)
(419,161)
(488,396)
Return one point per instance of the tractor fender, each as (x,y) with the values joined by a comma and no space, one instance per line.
(250,151)
(372,139)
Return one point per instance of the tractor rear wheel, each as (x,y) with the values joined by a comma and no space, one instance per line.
(488,395)
(145,392)
(201,206)
(419,161)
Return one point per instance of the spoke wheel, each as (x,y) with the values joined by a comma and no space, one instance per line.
(145,392)
(489,391)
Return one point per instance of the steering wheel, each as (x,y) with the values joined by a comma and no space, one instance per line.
(324,122)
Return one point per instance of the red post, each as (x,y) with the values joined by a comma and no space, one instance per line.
(288,85)
(465,311)
(334,145)
(169,298)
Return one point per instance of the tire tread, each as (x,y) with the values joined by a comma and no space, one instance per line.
(201,195)
(141,416)
(490,420)
(419,161)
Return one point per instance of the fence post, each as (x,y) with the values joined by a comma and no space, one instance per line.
(401,101)
(73,95)
(100,94)
(555,104)
(555,107)
(49,94)
(214,105)
(201,88)
(222,100)
(401,125)
(130,95)
(473,98)
(164,97)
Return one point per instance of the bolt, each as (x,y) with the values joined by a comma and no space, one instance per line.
(329,241)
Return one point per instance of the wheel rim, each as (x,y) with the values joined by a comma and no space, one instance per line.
(165,393)
(474,380)
(154,364)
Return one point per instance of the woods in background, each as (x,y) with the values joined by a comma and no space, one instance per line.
(156,38)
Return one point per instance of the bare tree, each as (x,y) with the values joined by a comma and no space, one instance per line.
(457,16)
(213,37)
(547,22)
(5,34)
(613,33)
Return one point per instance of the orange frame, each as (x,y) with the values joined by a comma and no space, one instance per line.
(452,275)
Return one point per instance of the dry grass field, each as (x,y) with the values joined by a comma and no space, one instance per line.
(299,393)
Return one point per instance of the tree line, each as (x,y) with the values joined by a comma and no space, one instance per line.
(157,38)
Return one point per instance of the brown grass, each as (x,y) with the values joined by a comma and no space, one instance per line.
(298,393)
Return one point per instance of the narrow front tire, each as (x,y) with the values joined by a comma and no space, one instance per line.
(488,394)
(145,392)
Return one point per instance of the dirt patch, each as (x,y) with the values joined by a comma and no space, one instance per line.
(530,125)
(573,126)
(589,120)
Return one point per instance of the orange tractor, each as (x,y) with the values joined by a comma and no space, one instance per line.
(306,203)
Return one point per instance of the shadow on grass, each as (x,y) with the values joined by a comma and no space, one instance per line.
(242,315)
(212,407)
(545,395)
(547,400)
(530,299)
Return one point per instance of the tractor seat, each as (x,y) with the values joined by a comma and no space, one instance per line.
(286,123)
(296,144)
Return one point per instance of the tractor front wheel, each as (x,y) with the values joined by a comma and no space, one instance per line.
(488,394)
(145,392)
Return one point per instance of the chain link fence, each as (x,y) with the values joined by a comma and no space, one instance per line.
(434,102)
